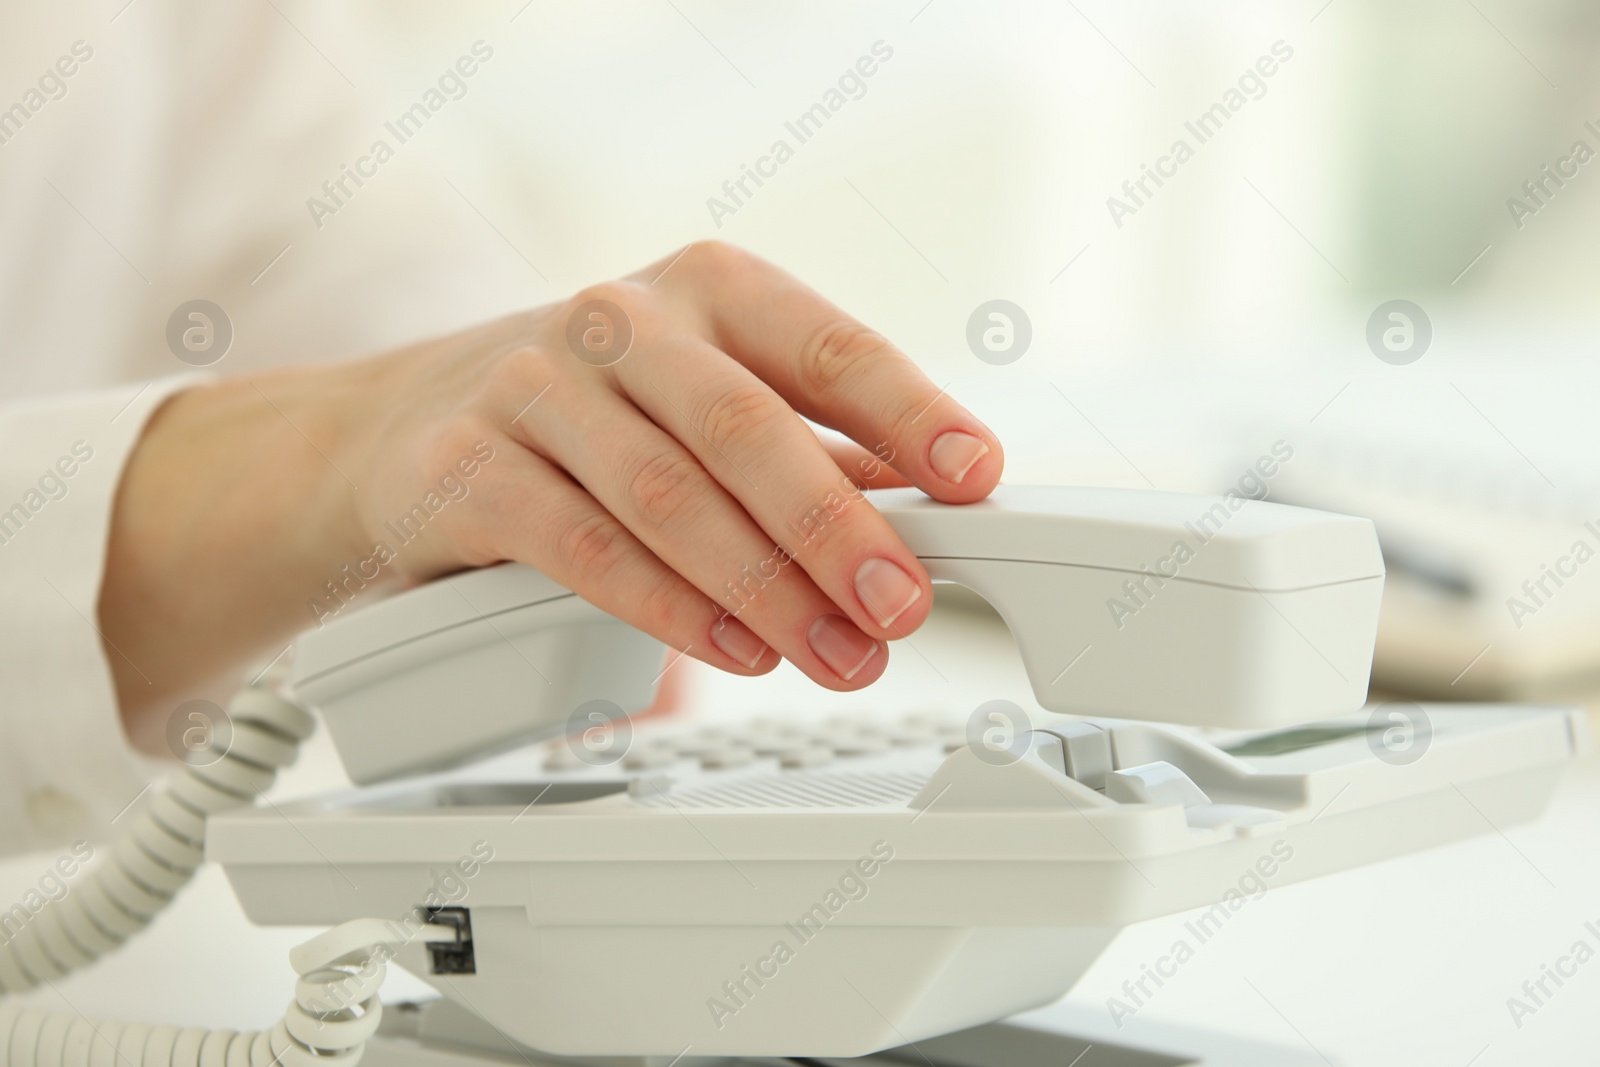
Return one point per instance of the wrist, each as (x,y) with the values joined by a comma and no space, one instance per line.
(231,512)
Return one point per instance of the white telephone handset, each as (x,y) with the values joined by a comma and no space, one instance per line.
(1220,611)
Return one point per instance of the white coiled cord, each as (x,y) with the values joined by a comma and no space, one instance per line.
(336,1006)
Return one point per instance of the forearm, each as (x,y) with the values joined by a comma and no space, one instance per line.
(229,517)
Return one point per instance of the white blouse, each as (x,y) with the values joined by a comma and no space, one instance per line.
(66,769)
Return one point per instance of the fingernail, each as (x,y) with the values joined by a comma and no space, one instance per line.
(885,590)
(737,641)
(954,453)
(838,643)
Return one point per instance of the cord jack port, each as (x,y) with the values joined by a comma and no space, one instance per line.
(447,957)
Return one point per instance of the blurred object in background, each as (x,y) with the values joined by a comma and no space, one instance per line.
(1454,107)
(1493,592)
(1491,539)
(1338,154)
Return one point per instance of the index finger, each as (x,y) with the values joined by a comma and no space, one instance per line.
(834,370)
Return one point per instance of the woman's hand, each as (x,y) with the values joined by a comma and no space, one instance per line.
(641,444)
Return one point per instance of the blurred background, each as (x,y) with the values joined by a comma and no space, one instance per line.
(1376,163)
(1358,153)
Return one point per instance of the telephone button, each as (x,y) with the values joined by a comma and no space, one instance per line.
(644,759)
(726,758)
(861,745)
(803,757)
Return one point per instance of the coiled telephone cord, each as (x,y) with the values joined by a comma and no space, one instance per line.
(335,1007)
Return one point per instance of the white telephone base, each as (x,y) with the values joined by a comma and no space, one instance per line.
(788,889)
(835,890)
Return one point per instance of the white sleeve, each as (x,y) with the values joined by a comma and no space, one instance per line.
(66,769)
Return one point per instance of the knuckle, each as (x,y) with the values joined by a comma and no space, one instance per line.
(738,415)
(510,380)
(713,256)
(592,544)
(450,446)
(837,352)
(665,486)
(516,369)
(615,292)
(599,323)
